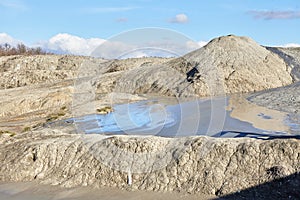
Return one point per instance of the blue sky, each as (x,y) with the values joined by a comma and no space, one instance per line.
(269,22)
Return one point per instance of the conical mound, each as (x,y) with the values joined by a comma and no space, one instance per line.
(232,64)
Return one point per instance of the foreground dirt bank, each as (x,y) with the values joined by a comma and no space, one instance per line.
(187,165)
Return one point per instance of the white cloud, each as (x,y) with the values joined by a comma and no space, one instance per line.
(71,44)
(271,15)
(122,19)
(202,43)
(180,19)
(96,10)
(291,45)
(121,49)
(134,54)
(195,45)
(13,4)
(192,45)
(5,38)
(112,49)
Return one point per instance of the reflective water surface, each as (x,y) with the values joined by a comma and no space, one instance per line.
(218,117)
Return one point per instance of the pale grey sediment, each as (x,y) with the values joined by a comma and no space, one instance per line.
(189,165)
(285,99)
(36,89)
(292,57)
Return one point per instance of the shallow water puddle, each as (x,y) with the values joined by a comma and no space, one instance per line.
(219,117)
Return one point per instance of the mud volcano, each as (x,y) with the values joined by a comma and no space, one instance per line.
(39,138)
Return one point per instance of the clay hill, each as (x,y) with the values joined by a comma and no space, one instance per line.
(236,64)
(37,90)
(228,64)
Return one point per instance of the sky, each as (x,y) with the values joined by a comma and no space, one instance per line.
(78,26)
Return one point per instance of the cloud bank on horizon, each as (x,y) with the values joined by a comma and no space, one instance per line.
(70,44)
(7,39)
(64,43)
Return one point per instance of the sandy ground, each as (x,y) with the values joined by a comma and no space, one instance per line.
(33,191)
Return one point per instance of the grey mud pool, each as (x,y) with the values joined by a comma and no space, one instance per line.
(232,116)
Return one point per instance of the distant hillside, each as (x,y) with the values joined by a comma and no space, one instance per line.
(228,64)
